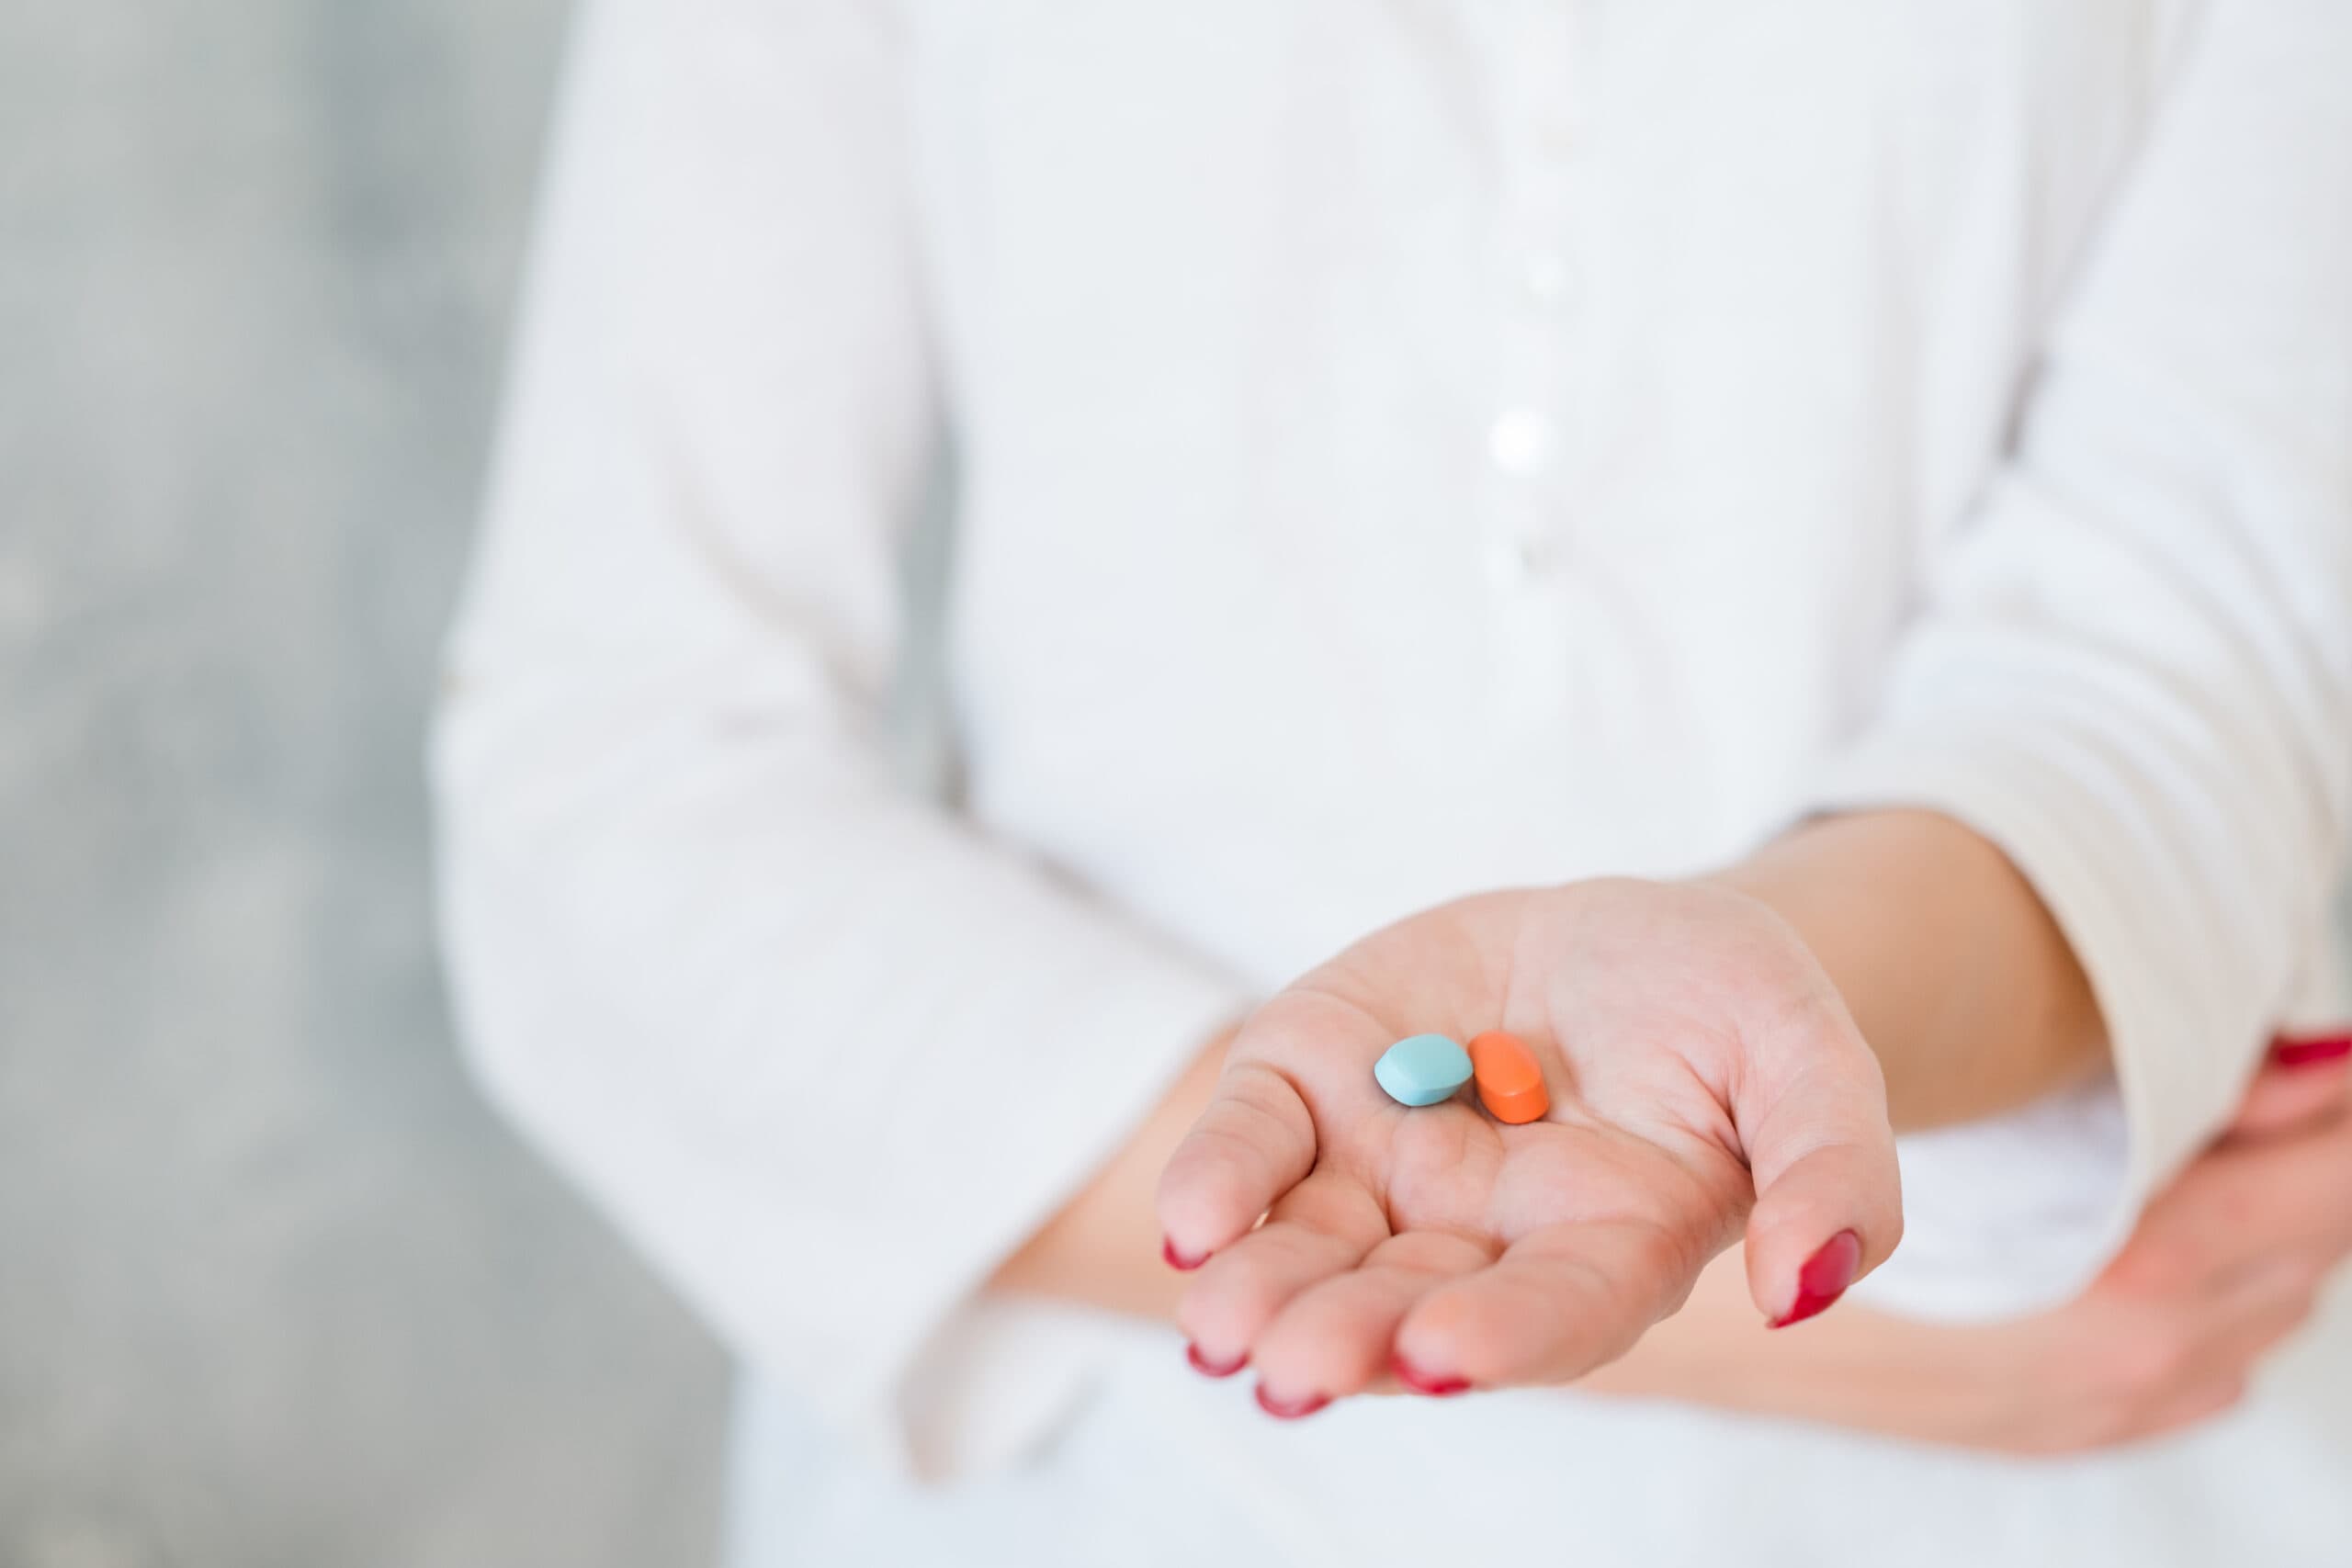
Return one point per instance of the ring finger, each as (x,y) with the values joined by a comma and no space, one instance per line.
(1336,1337)
(1322,1227)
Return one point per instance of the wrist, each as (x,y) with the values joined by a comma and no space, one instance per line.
(1952,967)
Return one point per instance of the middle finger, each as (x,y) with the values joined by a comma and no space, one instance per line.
(1321,1227)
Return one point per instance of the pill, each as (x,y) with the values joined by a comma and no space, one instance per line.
(1422,1069)
(1510,1081)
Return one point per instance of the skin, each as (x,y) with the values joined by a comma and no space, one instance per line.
(1698,1063)
(1703,1043)
(2224,1266)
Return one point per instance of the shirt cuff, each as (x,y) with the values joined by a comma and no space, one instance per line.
(963,1384)
(2085,848)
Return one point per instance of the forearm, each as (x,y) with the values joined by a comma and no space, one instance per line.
(1972,1002)
(1852,1368)
(1961,981)
(1956,974)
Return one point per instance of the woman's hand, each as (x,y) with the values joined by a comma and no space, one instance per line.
(2225,1264)
(1699,1062)
(2222,1267)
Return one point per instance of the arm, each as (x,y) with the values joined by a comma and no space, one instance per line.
(1958,976)
(2132,667)
(2226,1263)
(743,987)
(1955,973)
(2128,686)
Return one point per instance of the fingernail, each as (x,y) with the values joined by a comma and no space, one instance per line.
(1179,1260)
(1290,1409)
(1419,1381)
(1209,1368)
(2310,1052)
(1823,1278)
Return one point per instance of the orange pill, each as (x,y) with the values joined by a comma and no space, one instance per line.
(1510,1081)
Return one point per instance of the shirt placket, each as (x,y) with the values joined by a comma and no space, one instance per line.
(1530,435)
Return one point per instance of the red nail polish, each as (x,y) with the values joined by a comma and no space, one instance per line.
(1419,1381)
(1179,1260)
(1823,1278)
(2311,1052)
(1209,1368)
(1292,1409)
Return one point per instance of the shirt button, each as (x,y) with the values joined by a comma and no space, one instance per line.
(1520,440)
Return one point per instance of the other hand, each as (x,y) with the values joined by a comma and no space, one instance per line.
(2224,1266)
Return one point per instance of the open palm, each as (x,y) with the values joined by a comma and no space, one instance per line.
(1696,1057)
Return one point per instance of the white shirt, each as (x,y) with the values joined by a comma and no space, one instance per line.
(1401,449)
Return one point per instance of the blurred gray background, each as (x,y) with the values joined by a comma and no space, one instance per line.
(273,1289)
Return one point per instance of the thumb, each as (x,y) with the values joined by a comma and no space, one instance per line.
(1812,1115)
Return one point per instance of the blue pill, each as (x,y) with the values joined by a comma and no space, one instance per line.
(1422,1069)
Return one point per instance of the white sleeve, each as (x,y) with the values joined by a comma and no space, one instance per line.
(824,1053)
(2134,669)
